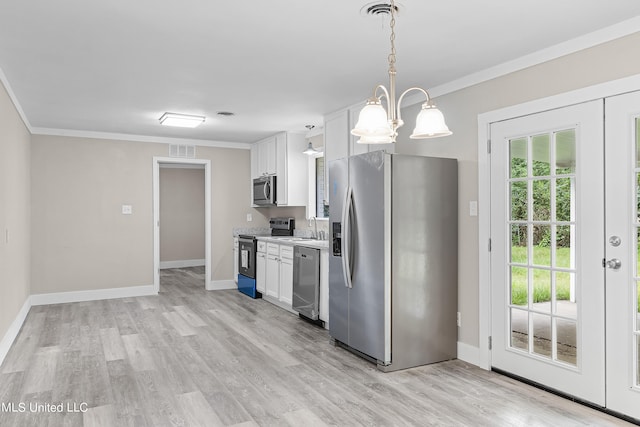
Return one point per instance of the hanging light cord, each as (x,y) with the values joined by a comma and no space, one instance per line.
(392,39)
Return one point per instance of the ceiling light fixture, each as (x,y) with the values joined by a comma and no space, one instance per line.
(181,120)
(310,151)
(377,126)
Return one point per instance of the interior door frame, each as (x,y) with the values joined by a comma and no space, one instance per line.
(156,214)
(591,93)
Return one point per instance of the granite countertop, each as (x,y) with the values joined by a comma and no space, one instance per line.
(296,241)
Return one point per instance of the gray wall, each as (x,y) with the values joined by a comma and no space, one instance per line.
(182,210)
(15,210)
(81,240)
(602,63)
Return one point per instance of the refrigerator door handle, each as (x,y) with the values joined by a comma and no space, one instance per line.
(346,239)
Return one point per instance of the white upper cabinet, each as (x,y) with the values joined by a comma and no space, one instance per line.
(282,155)
(266,157)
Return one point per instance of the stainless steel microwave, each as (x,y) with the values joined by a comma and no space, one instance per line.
(264,191)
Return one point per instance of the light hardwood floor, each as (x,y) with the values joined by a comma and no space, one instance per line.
(190,357)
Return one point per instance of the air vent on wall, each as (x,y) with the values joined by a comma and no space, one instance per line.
(182,150)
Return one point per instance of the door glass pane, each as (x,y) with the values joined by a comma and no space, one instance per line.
(518,158)
(565,151)
(519,201)
(564,199)
(519,248)
(542,290)
(540,152)
(519,329)
(541,200)
(519,286)
(566,341)
(565,307)
(541,334)
(542,245)
(564,247)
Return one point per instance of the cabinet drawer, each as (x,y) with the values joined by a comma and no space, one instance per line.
(286,252)
(273,249)
(262,246)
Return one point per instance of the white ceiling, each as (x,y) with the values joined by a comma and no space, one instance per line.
(114,66)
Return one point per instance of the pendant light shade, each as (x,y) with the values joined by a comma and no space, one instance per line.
(372,122)
(310,151)
(430,123)
(379,126)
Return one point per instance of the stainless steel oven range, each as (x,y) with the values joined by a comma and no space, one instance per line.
(247,265)
(247,248)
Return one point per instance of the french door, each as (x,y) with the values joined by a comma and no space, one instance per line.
(547,228)
(565,269)
(622,258)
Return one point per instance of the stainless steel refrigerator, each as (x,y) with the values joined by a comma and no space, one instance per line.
(393,270)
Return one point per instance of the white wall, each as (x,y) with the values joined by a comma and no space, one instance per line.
(15,211)
(609,61)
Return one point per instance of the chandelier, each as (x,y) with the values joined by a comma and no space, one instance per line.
(377,126)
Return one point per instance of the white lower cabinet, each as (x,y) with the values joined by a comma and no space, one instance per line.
(275,273)
(261,272)
(286,274)
(324,287)
(272,276)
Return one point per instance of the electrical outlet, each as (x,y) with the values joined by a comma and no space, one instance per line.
(459,319)
(127,210)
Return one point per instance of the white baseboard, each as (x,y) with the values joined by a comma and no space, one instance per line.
(220,285)
(93,295)
(181,263)
(14,329)
(469,353)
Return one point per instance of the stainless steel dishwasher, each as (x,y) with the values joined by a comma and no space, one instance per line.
(306,283)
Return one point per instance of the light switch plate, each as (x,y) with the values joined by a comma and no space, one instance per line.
(127,209)
(249,217)
(473,208)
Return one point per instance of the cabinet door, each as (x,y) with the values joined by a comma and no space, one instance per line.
(336,140)
(262,157)
(261,272)
(254,162)
(324,287)
(281,169)
(268,154)
(286,274)
(354,147)
(272,284)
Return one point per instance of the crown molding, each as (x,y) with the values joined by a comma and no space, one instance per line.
(139,138)
(14,99)
(607,34)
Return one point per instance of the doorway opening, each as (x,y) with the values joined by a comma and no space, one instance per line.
(185,241)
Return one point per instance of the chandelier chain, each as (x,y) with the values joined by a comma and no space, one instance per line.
(392,38)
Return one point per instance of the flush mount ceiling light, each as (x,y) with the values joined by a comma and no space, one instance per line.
(377,126)
(181,120)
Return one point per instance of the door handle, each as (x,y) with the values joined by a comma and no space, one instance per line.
(613,263)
